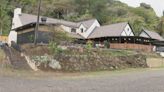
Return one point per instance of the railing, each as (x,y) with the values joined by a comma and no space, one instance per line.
(141,47)
(4,39)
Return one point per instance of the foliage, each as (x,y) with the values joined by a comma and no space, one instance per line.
(145,5)
(106,11)
(160,26)
(89,45)
(59,36)
(46,62)
(54,48)
(31,38)
(5,16)
(106,44)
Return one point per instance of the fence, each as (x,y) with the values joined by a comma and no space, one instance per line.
(4,39)
(141,47)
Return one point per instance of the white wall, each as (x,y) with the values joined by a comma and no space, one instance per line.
(91,29)
(16,22)
(12,37)
(127,31)
(79,30)
(65,28)
(143,34)
(88,31)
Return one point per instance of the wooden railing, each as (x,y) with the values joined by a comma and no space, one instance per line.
(141,47)
(4,39)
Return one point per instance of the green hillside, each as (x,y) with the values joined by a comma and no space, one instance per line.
(106,11)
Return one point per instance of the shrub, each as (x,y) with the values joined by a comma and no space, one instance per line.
(54,48)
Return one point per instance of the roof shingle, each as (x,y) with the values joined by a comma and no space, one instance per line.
(153,35)
(109,30)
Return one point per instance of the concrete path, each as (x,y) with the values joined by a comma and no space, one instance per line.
(147,81)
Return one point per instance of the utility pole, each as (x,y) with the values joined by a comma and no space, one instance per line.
(37,23)
(1,22)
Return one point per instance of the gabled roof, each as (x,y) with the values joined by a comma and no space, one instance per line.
(152,35)
(28,18)
(74,35)
(108,30)
(87,23)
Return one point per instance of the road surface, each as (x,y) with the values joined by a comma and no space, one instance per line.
(147,81)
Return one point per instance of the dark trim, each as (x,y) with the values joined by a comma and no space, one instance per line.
(146,33)
(123,29)
(92,32)
(19,29)
(132,29)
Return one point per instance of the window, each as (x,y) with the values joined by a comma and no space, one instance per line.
(73,30)
(82,30)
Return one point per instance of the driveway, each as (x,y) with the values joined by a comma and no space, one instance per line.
(146,81)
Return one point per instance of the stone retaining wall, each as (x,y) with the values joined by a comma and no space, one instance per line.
(98,63)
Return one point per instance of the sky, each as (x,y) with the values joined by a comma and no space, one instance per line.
(158,5)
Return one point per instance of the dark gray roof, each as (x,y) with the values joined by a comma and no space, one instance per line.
(74,35)
(28,18)
(87,23)
(153,35)
(108,31)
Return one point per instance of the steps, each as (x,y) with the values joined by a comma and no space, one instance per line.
(17,61)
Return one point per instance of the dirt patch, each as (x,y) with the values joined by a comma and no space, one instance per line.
(155,62)
(31,49)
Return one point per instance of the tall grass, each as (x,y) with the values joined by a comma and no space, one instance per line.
(2,56)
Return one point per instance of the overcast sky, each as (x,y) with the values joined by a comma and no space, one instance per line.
(158,5)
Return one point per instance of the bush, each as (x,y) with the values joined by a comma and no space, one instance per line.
(46,62)
(55,49)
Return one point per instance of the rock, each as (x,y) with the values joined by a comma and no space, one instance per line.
(55,64)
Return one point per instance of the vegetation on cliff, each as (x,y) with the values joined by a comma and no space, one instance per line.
(106,11)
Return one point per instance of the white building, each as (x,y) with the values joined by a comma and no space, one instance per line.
(86,29)
(20,19)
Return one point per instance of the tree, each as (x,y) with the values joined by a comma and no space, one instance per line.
(160,26)
(57,8)
(58,36)
(146,6)
(5,16)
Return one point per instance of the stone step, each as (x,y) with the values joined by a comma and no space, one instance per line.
(17,61)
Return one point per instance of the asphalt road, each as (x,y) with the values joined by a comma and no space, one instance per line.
(147,81)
